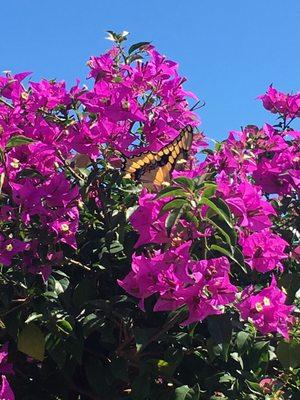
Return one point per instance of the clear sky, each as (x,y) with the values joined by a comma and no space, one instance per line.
(230,51)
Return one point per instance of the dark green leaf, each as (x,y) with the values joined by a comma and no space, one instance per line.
(84,291)
(242,340)
(228,254)
(184,181)
(291,283)
(254,387)
(64,326)
(211,203)
(218,226)
(209,190)
(137,46)
(31,341)
(29,173)
(220,328)
(172,219)
(173,205)
(171,191)
(288,354)
(18,140)
(56,348)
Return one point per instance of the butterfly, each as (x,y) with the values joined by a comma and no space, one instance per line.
(153,169)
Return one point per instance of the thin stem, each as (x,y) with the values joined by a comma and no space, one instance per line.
(78,263)
(69,168)
(24,302)
(6,103)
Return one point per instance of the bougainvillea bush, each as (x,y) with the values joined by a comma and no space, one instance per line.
(112,291)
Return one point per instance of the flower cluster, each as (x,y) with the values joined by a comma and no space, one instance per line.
(249,167)
(6,368)
(281,103)
(207,243)
(203,286)
(266,309)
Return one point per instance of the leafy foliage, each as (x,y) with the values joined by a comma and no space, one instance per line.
(111,292)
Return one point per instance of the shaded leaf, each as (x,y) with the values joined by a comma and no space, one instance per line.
(31,341)
(288,354)
(18,140)
(137,46)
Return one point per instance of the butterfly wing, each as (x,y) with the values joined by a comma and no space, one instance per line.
(154,169)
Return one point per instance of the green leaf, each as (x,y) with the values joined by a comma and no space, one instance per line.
(209,190)
(173,205)
(64,326)
(56,348)
(228,254)
(57,286)
(220,229)
(137,46)
(254,387)
(84,291)
(181,393)
(215,206)
(18,140)
(222,205)
(258,357)
(171,191)
(242,340)
(29,173)
(220,328)
(172,219)
(31,341)
(115,247)
(187,393)
(184,181)
(33,317)
(288,354)
(291,283)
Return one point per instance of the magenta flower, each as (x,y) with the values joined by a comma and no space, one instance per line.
(5,366)
(281,103)
(10,248)
(207,298)
(5,391)
(164,273)
(266,309)
(48,94)
(211,289)
(264,250)
(247,204)
(147,222)
(65,231)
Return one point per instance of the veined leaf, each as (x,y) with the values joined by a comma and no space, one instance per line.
(137,46)
(184,181)
(171,191)
(212,204)
(228,254)
(31,341)
(18,140)
(173,205)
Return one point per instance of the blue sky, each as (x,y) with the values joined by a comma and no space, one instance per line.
(230,51)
